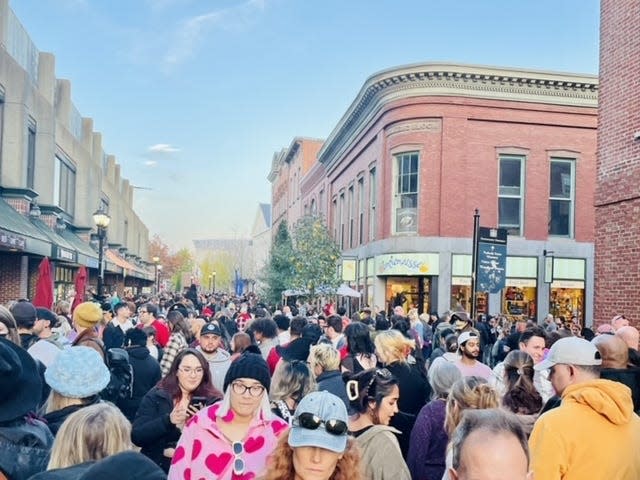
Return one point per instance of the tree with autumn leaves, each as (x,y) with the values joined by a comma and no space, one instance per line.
(173,264)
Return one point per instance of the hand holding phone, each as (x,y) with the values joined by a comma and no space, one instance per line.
(195,404)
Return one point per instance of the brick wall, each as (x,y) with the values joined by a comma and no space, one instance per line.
(9,277)
(617,199)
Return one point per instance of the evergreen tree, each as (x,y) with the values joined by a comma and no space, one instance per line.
(278,272)
(315,256)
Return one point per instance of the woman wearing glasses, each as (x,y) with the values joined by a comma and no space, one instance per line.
(166,407)
(232,438)
(373,395)
(318,446)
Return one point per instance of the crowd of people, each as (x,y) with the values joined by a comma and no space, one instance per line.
(219,387)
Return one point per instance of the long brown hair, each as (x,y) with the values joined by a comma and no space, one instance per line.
(170,383)
(521,396)
(280,462)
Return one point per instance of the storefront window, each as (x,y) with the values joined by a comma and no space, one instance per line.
(461,296)
(519,299)
(567,300)
(63,282)
(408,292)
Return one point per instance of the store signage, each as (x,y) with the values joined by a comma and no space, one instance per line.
(64,254)
(12,241)
(521,282)
(461,281)
(492,259)
(408,264)
(568,284)
(348,270)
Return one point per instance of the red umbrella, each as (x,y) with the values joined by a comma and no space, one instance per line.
(44,285)
(81,282)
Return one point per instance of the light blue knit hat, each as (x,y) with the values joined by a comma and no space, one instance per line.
(77,372)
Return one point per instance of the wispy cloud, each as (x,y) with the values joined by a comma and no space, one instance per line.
(163,148)
(190,32)
(151,163)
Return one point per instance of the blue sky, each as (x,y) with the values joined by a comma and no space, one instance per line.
(194,96)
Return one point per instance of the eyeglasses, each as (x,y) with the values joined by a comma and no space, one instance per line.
(191,371)
(238,463)
(241,389)
(309,421)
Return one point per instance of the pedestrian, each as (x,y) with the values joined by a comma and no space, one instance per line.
(113,334)
(217,357)
(231,438)
(591,408)
(360,349)
(521,396)
(426,458)
(291,381)
(324,361)
(86,436)
(25,441)
(8,327)
(317,446)
(178,340)
(76,377)
(165,409)
(373,396)
(126,465)
(489,444)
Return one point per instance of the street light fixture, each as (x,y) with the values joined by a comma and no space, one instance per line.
(101,220)
(156,261)
(158,269)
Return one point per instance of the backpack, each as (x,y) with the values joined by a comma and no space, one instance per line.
(120,385)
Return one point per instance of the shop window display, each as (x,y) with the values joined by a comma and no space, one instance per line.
(567,302)
(408,292)
(519,302)
(461,299)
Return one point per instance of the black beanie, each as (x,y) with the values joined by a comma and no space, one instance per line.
(249,365)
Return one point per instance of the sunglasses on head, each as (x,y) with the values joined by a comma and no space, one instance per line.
(309,421)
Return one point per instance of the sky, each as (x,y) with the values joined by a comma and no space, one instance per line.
(193,97)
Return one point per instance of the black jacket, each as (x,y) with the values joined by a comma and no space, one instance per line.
(24,448)
(69,473)
(152,429)
(56,419)
(146,374)
(112,336)
(414,393)
(332,382)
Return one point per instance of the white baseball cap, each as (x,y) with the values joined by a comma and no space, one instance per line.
(571,351)
(465,336)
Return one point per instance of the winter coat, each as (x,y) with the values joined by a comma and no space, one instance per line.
(69,473)
(206,453)
(332,382)
(381,455)
(146,374)
(24,448)
(152,429)
(427,451)
(55,419)
(176,344)
(593,434)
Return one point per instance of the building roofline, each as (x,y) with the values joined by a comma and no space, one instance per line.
(459,80)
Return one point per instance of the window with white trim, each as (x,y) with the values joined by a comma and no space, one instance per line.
(372,204)
(405,200)
(360,210)
(511,194)
(561,197)
(64,185)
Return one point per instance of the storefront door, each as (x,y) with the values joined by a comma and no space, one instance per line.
(408,292)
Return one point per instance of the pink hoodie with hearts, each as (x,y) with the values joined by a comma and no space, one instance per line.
(203,452)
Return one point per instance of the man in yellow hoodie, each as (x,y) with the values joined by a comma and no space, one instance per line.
(594,434)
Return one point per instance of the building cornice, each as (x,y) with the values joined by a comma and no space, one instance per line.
(440,79)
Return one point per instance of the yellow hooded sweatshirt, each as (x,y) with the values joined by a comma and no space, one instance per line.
(592,435)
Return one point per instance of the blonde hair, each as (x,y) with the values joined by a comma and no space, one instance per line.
(91,433)
(56,401)
(392,346)
(291,380)
(468,393)
(325,356)
(413,316)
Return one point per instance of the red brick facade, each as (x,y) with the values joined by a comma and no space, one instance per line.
(617,199)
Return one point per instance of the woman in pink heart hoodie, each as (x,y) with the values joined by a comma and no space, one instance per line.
(231,439)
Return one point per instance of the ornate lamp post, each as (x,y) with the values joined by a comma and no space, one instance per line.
(159,268)
(101,220)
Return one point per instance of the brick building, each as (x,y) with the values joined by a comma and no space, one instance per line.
(54,174)
(422,146)
(617,199)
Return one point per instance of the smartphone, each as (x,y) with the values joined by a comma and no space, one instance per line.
(198,402)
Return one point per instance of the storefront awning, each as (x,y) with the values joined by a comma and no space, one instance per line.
(86,255)
(60,248)
(18,233)
(129,269)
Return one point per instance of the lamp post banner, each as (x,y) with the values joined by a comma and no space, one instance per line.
(492,259)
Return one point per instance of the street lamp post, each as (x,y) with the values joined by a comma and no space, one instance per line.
(213,283)
(101,220)
(156,261)
(159,270)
